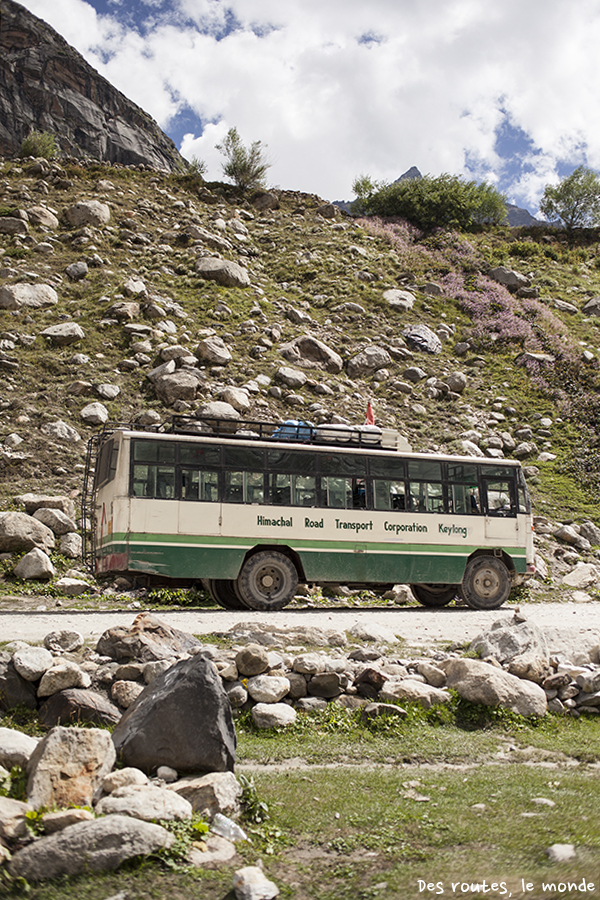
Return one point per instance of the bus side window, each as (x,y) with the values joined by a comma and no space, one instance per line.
(499,502)
(465,499)
(165,482)
(254,487)
(426,497)
(280,489)
(338,492)
(202,486)
(143,483)
(389,494)
(359,493)
(234,487)
(304,490)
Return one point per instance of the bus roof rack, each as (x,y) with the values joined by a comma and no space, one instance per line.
(295,431)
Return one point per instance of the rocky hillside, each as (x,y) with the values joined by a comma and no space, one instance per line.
(47,86)
(131,294)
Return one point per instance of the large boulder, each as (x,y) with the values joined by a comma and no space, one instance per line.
(223,271)
(15,748)
(88,212)
(34,296)
(18,531)
(78,706)
(507,639)
(480,682)
(68,765)
(182,719)
(14,689)
(181,385)
(214,351)
(103,844)
(368,360)
(145,802)
(308,352)
(420,337)
(147,639)
(63,334)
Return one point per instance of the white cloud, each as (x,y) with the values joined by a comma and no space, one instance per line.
(429,87)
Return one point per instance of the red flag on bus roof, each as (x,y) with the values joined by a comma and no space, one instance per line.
(370,420)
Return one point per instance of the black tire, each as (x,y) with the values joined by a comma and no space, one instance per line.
(223,592)
(268,580)
(486,583)
(434,594)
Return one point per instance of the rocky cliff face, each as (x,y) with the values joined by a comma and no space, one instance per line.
(46,85)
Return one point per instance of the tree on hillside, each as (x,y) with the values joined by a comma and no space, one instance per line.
(41,144)
(443,202)
(245,166)
(575,201)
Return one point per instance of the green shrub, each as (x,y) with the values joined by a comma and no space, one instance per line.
(444,202)
(39,144)
(245,166)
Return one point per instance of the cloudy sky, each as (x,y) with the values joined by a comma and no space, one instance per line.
(501,90)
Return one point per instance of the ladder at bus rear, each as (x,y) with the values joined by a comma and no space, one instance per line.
(88,504)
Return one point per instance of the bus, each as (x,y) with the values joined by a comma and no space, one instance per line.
(251,509)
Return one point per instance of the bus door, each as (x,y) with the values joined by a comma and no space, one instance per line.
(199,511)
(500,499)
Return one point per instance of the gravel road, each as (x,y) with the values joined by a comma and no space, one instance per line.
(418,626)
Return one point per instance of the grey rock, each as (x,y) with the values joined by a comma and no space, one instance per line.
(123,778)
(68,766)
(88,212)
(64,334)
(420,337)
(33,296)
(213,350)
(251,883)
(507,639)
(101,845)
(224,272)
(217,792)
(182,719)
(62,676)
(14,690)
(291,377)
(273,715)
(367,361)
(78,706)
(398,299)
(145,802)
(32,662)
(18,531)
(252,660)
(15,748)
(13,818)
(148,639)
(480,682)
(94,414)
(308,352)
(61,431)
(409,689)
(57,520)
(268,688)
(77,271)
(34,566)
(509,278)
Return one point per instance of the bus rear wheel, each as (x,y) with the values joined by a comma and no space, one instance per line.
(223,592)
(486,583)
(434,594)
(268,580)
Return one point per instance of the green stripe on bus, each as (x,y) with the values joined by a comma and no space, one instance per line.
(328,561)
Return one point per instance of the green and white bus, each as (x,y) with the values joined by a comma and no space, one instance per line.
(250,509)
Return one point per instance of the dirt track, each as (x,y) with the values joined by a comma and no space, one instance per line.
(417,626)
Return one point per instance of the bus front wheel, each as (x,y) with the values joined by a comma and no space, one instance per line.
(434,594)
(486,583)
(268,580)
(223,592)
